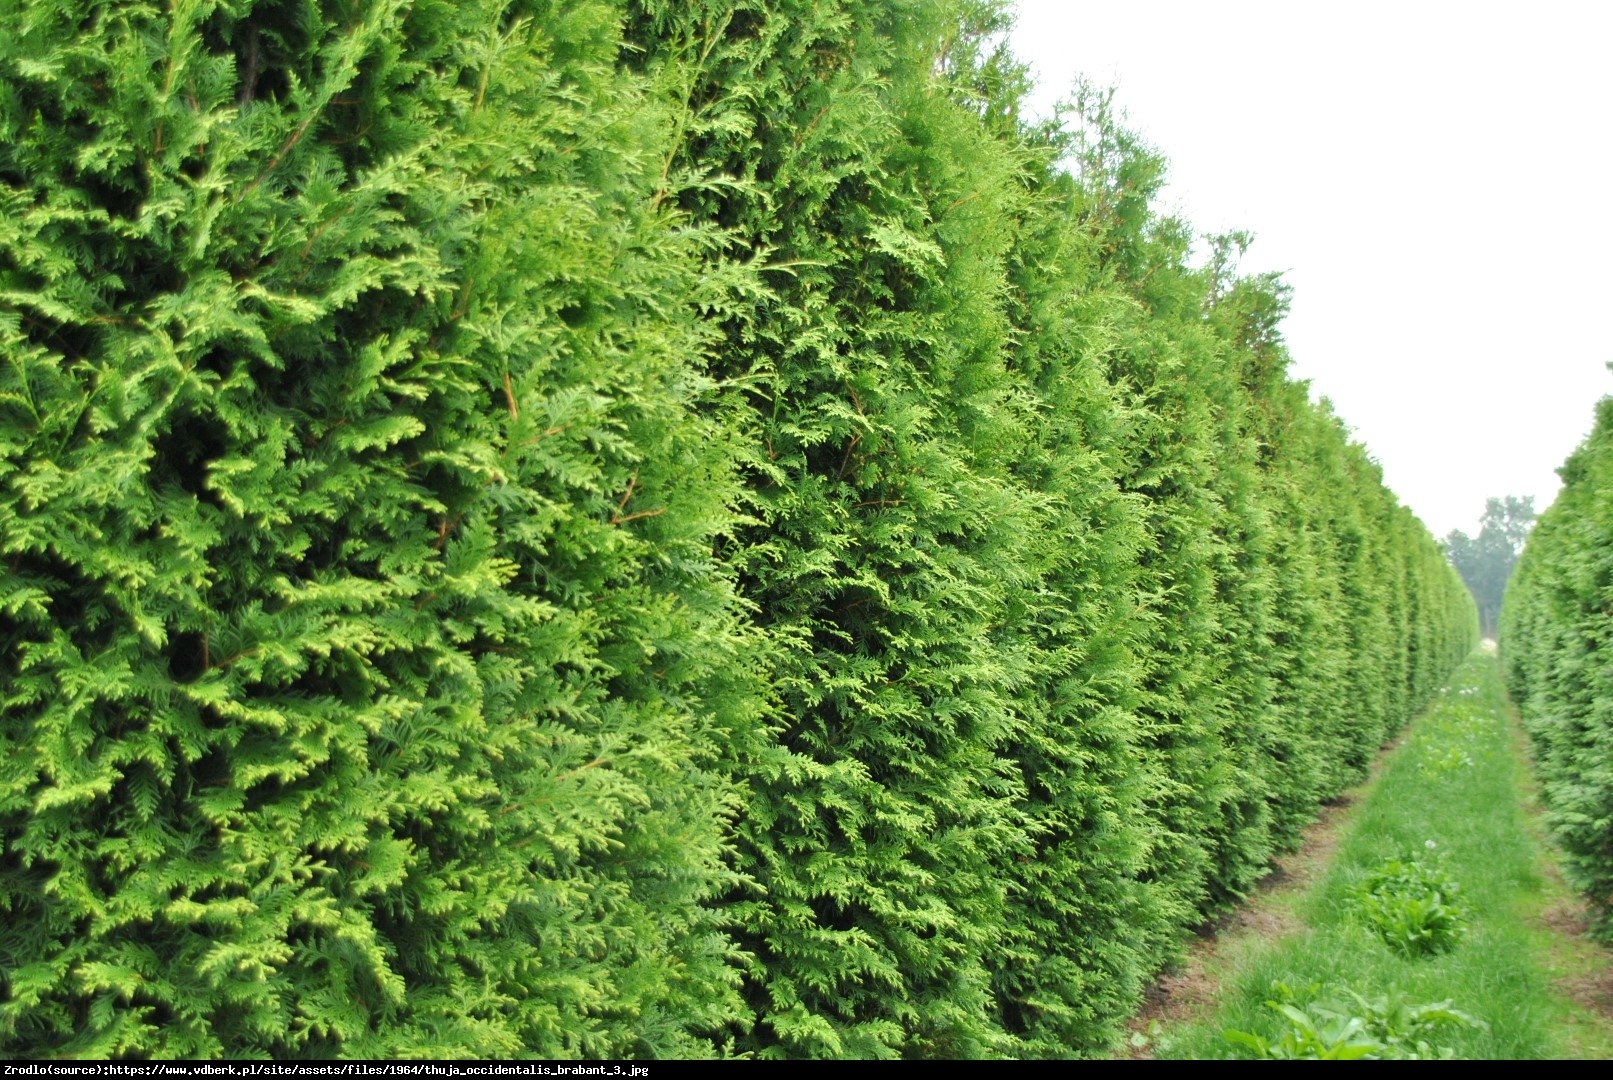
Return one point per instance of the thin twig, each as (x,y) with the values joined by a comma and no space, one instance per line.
(509,396)
(846,461)
(632,482)
(657,512)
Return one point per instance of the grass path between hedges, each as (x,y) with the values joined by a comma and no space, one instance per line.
(1454,792)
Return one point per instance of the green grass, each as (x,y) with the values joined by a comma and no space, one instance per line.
(1454,799)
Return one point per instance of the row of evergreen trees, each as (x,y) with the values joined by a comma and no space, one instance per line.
(624,527)
(1557,652)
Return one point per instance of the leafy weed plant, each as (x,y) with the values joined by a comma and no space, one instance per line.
(1378,1027)
(1414,906)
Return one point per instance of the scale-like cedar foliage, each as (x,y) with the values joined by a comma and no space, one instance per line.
(1074,960)
(362,654)
(1557,648)
(891,539)
(635,528)
(1241,726)
(1106,752)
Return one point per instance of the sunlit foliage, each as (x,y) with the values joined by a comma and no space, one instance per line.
(641,529)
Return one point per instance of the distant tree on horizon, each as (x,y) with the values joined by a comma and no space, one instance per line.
(1485,561)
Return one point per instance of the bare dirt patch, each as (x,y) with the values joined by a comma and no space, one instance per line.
(1581,970)
(1593,991)
(1589,983)
(1567,918)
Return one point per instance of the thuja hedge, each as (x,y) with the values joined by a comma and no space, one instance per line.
(640,529)
(365,659)
(1557,650)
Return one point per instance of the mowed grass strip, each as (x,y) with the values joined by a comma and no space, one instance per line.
(1453,802)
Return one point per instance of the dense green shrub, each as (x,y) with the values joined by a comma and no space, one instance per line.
(362,654)
(1110,746)
(897,555)
(1557,652)
(1255,703)
(641,528)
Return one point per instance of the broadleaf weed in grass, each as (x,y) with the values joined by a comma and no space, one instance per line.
(1414,906)
(1366,1028)
(1406,1030)
(1312,1038)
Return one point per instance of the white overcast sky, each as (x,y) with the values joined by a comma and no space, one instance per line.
(1432,178)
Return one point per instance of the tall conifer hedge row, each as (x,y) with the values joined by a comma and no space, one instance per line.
(365,662)
(643,529)
(1557,650)
(868,162)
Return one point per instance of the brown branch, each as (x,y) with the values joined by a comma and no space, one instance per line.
(594,764)
(355,137)
(279,155)
(167,88)
(508,808)
(846,461)
(249,79)
(462,303)
(632,482)
(959,202)
(313,238)
(228,660)
(509,396)
(481,88)
(618,520)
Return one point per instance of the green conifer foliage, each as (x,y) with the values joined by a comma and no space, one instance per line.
(1245,313)
(1241,719)
(891,534)
(1172,371)
(949,331)
(634,528)
(362,656)
(1557,650)
(1073,961)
